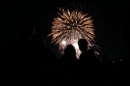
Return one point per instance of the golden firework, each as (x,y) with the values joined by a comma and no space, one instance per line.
(70,26)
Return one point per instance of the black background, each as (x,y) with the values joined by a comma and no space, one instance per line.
(41,14)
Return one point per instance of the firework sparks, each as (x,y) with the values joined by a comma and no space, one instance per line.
(71,26)
(96,48)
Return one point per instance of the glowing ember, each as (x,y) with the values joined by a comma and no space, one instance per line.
(63,42)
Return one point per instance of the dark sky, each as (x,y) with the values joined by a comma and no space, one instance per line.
(41,14)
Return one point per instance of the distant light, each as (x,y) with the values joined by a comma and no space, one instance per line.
(113,61)
(120,60)
(63,42)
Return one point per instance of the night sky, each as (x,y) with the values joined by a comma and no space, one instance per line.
(41,14)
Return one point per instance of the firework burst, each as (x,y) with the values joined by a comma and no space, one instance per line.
(70,26)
